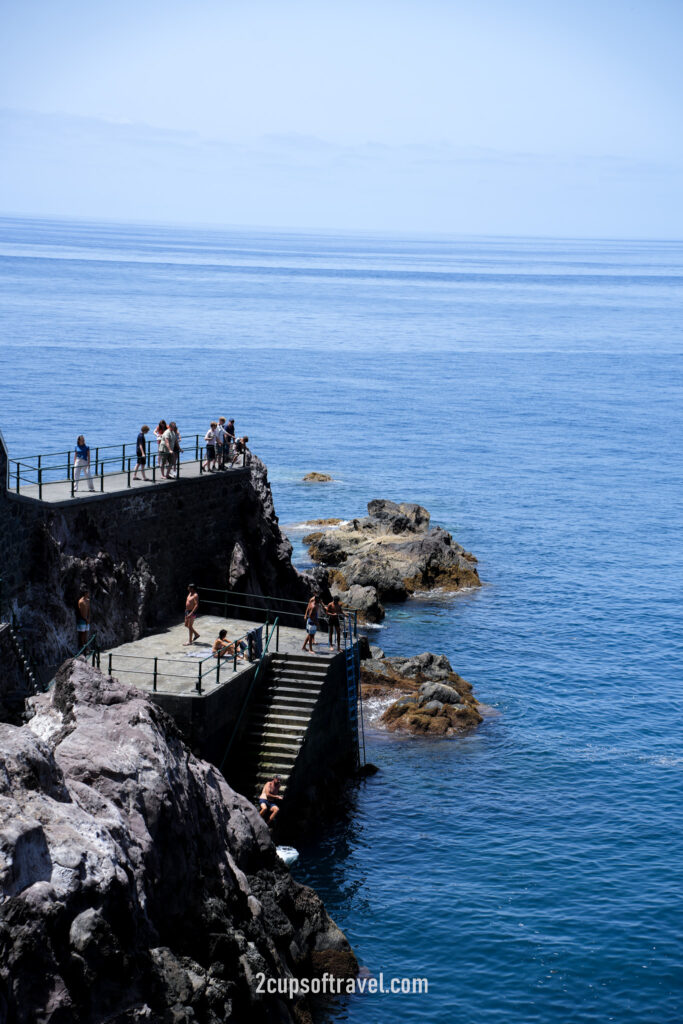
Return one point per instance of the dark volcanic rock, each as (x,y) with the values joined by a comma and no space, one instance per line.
(134,883)
(393,550)
(137,551)
(435,700)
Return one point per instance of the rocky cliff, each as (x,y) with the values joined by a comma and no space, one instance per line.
(136,551)
(135,885)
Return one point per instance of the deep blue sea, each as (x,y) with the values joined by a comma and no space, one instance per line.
(530,394)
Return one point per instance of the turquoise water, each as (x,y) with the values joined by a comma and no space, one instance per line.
(530,395)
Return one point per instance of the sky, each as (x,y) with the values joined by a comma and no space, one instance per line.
(438,116)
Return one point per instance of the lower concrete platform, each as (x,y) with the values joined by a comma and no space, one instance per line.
(193,671)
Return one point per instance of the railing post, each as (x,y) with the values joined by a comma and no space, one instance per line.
(102,476)
(218,668)
(277,635)
(129,471)
(201,460)
(97,461)
(72,477)
(196,447)
(234,658)
(123,457)
(40,480)
(199,678)
(109,666)
(18,476)
(154,467)
(154,677)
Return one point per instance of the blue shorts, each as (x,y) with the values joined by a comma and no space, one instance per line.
(81,625)
(311,627)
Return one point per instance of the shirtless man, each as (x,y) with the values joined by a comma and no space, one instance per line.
(334,617)
(191,606)
(83,617)
(270,799)
(311,620)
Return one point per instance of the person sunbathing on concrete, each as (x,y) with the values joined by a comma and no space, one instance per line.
(223,646)
(191,606)
(270,800)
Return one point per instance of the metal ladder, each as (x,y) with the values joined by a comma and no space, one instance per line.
(353,692)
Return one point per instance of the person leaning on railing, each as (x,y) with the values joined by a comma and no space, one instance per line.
(240,449)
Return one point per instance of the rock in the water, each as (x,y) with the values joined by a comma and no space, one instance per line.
(438,691)
(394,550)
(362,600)
(317,478)
(134,883)
(435,700)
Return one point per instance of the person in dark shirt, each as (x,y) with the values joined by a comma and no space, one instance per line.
(141,452)
(229,438)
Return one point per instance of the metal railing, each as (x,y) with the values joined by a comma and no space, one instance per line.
(35,472)
(208,671)
(275,630)
(290,611)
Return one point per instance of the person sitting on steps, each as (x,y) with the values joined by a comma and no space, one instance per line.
(270,800)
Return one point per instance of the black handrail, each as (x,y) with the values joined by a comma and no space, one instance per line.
(247,698)
(37,471)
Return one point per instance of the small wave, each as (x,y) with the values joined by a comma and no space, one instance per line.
(374,707)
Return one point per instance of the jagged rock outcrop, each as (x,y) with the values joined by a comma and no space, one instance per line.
(395,551)
(435,700)
(135,885)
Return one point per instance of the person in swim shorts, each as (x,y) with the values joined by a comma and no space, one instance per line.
(334,617)
(311,620)
(270,800)
(191,606)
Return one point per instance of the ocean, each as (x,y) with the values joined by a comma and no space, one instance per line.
(529,394)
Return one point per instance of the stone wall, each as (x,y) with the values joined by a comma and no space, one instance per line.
(137,550)
(207,720)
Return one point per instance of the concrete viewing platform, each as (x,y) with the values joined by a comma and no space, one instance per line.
(57,491)
(178,667)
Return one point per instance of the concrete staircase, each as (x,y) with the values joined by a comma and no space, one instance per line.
(278,719)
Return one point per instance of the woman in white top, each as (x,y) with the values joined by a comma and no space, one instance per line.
(210,438)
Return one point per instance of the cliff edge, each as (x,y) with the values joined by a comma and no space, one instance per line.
(135,885)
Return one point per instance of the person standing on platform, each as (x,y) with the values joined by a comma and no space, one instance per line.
(210,438)
(191,607)
(141,452)
(220,443)
(82,463)
(166,447)
(229,437)
(311,619)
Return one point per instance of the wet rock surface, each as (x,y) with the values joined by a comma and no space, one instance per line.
(434,700)
(134,883)
(393,551)
(317,478)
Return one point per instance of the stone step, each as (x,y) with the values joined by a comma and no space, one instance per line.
(273,766)
(288,693)
(255,753)
(274,733)
(293,676)
(306,660)
(279,709)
